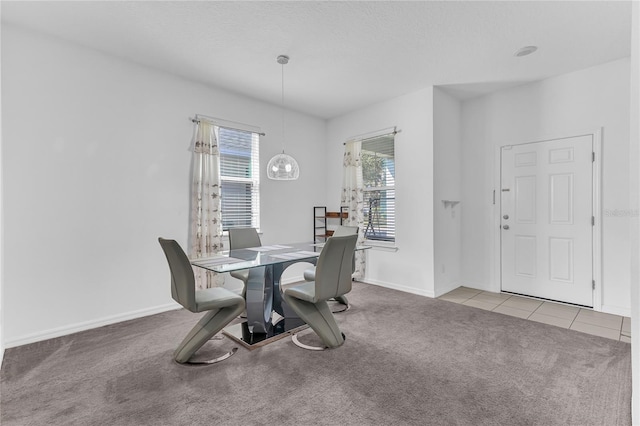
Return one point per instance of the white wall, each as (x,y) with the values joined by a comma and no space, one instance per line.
(1,223)
(566,105)
(96,168)
(447,185)
(634,167)
(410,268)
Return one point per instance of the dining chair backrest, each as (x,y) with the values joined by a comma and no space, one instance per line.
(342,230)
(333,271)
(240,238)
(183,288)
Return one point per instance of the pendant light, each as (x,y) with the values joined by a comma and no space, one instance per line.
(283,166)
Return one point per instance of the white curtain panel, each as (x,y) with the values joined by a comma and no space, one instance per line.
(353,198)
(206,214)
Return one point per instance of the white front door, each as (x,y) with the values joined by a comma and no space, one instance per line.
(546,219)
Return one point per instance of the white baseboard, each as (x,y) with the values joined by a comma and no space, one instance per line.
(479,286)
(75,328)
(399,287)
(444,289)
(616,310)
(392,286)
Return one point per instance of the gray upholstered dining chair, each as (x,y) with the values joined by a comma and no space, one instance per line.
(333,279)
(310,274)
(240,238)
(221,305)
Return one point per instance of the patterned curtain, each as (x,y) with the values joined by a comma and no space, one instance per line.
(353,198)
(206,220)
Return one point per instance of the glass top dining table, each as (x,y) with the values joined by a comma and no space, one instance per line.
(265,265)
(253,257)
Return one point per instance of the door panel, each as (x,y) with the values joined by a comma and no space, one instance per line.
(562,155)
(546,211)
(561,259)
(525,199)
(525,254)
(561,202)
(524,159)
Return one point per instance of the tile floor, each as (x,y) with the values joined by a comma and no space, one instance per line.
(566,316)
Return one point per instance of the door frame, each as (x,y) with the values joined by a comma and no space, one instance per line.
(496,270)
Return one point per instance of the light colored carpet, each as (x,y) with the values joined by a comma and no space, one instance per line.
(407,360)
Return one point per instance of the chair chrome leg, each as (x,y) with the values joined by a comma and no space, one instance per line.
(298,343)
(294,339)
(342,300)
(344,308)
(212,361)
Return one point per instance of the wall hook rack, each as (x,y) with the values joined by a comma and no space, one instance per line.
(450,203)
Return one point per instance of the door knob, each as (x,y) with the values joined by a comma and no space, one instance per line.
(505,227)
(505,217)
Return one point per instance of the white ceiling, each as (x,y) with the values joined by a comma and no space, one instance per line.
(344,55)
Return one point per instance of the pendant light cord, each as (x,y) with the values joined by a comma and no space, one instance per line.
(283,107)
(283,166)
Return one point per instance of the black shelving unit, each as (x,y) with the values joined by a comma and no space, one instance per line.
(320,218)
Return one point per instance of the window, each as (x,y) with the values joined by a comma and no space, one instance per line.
(240,178)
(379,176)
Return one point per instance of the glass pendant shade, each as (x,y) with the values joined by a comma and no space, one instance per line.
(283,167)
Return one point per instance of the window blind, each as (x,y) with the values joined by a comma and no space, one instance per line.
(240,178)
(379,176)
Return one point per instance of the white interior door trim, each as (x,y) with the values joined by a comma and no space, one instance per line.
(597,213)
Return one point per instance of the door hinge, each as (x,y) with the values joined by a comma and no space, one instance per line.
(593,221)
(593,284)
(593,157)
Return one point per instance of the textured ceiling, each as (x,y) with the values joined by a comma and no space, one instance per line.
(344,55)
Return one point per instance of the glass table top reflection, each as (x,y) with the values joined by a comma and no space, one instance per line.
(253,257)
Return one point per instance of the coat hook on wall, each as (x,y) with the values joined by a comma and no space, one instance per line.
(452,204)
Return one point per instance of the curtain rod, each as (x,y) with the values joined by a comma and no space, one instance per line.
(222,123)
(377,134)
